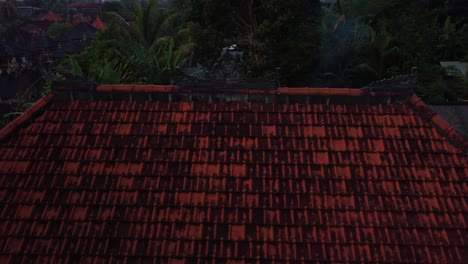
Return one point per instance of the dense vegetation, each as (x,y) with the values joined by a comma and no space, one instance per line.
(146,50)
(348,44)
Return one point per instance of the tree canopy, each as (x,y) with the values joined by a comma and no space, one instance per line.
(347,44)
(7,11)
(141,51)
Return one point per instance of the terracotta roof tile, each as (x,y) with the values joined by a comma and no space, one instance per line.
(320,91)
(99,24)
(235,182)
(52,17)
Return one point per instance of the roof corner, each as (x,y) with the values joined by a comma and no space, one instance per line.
(440,123)
(25,116)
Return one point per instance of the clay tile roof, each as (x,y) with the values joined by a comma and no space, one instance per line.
(159,174)
(79,31)
(52,17)
(98,24)
(457,115)
(78,20)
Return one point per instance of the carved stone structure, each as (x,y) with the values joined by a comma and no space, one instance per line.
(400,83)
(228,73)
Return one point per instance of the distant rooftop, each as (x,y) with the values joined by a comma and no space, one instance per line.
(456,115)
(455,67)
(52,17)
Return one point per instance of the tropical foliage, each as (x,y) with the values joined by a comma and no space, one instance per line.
(7,11)
(56,29)
(274,33)
(17,106)
(348,44)
(289,38)
(363,41)
(143,51)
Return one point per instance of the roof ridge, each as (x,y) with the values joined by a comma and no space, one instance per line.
(319,91)
(25,116)
(440,123)
(137,88)
(323,91)
(91,87)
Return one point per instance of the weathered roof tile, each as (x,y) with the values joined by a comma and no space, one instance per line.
(197,182)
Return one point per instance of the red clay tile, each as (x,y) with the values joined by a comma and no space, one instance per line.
(197,182)
(25,116)
(319,91)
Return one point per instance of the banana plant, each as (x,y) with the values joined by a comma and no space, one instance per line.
(155,65)
(143,51)
(381,49)
(171,61)
(451,45)
(7,11)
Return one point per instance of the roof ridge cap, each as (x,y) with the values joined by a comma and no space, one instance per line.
(92,87)
(439,122)
(168,88)
(137,88)
(319,91)
(25,116)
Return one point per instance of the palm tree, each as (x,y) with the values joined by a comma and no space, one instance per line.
(141,51)
(353,35)
(451,45)
(381,50)
(340,44)
(362,10)
(7,11)
(151,24)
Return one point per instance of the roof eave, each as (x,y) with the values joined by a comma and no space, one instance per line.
(25,116)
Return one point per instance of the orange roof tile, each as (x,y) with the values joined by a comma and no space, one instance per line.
(52,17)
(320,91)
(98,24)
(12,126)
(171,179)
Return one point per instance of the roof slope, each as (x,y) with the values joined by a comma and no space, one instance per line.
(78,32)
(52,17)
(80,19)
(457,115)
(199,182)
(99,24)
